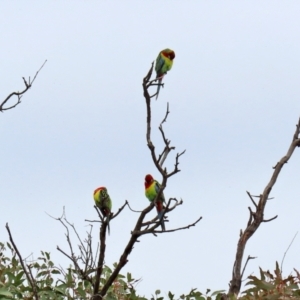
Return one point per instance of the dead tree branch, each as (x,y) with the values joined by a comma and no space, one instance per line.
(28,273)
(158,162)
(257,217)
(19,95)
(86,256)
(101,257)
(120,210)
(287,251)
(85,250)
(141,227)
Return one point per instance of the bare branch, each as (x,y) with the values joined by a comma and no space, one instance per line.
(166,116)
(136,211)
(92,221)
(28,274)
(248,258)
(250,217)
(251,199)
(287,251)
(84,251)
(258,215)
(64,253)
(99,214)
(28,85)
(162,157)
(176,170)
(101,257)
(142,227)
(119,210)
(170,230)
(269,220)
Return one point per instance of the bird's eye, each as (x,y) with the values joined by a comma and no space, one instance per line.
(103,193)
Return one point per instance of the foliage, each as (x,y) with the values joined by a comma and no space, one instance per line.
(273,286)
(53,282)
(41,279)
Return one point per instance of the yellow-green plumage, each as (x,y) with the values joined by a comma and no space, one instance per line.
(152,188)
(164,63)
(103,202)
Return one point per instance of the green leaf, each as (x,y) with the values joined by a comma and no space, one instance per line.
(18,279)
(129,278)
(81,292)
(262,275)
(273,297)
(9,246)
(157,292)
(42,273)
(10,276)
(47,255)
(5,292)
(217,292)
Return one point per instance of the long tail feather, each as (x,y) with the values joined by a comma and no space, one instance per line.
(108,227)
(162,222)
(159,85)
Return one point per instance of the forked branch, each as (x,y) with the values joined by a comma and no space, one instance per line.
(257,216)
(28,83)
(28,273)
(142,227)
(148,227)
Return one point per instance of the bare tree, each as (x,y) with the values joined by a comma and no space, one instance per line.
(28,84)
(142,227)
(256,217)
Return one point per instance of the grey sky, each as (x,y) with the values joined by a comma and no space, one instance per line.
(234,101)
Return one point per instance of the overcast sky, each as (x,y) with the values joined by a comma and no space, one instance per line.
(234,101)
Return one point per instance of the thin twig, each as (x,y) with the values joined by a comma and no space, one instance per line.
(28,274)
(101,258)
(119,210)
(251,199)
(248,258)
(165,231)
(287,251)
(269,220)
(19,94)
(136,211)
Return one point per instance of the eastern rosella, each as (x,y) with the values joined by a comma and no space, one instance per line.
(103,201)
(164,63)
(151,190)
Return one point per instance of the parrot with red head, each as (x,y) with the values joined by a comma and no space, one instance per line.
(104,203)
(152,188)
(164,63)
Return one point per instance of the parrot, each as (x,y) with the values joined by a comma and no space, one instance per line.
(103,201)
(164,63)
(151,189)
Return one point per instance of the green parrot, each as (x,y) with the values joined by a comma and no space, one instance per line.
(151,190)
(103,201)
(164,63)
